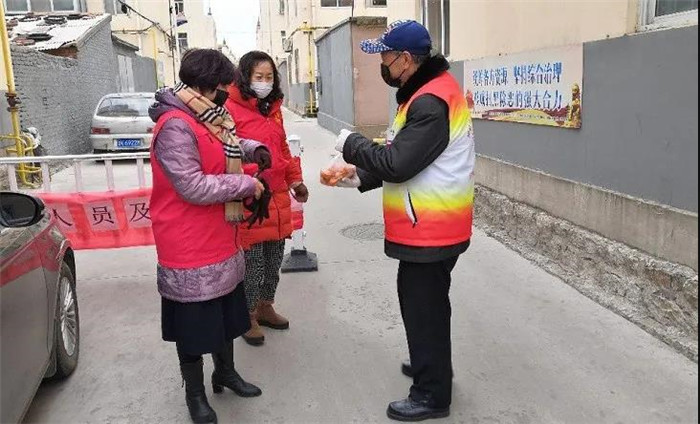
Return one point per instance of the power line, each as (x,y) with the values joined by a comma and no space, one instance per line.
(169,36)
(139,14)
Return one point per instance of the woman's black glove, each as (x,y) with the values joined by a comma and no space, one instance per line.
(260,208)
(263,158)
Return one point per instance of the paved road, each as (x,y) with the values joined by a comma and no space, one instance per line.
(527,347)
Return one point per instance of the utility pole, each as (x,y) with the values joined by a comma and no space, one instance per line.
(174,44)
(311,108)
(269,24)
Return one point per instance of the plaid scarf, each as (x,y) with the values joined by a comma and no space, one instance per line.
(219,122)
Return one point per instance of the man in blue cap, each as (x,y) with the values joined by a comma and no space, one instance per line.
(426,171)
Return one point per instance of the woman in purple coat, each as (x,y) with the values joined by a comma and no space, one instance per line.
(197,200)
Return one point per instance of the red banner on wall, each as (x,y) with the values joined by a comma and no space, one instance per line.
(102,220)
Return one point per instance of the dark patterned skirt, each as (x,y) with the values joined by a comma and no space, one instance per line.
(205,327)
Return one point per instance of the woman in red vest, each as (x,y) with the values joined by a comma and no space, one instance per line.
(198,189)
(256,105)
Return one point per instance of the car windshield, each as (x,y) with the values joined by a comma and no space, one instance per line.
(125,106)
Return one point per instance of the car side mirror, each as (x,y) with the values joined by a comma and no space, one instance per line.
(20,210)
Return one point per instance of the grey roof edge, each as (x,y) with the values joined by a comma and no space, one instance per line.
(357,20)
(80,42)
(124,43)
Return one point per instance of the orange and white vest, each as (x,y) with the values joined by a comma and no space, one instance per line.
(435,208)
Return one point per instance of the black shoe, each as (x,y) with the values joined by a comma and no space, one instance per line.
(406,369)
(196,398)
(411,410)
(225,375)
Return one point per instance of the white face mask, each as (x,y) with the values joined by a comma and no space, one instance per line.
(262,89)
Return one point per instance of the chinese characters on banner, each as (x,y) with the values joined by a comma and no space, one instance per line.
(542,87)
(102,220)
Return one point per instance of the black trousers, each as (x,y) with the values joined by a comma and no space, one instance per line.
(424,295)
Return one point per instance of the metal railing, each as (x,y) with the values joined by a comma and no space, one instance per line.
(298,260)
(12,163)
(23,147)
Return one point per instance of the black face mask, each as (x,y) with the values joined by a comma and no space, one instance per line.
(221,97)
(386,75)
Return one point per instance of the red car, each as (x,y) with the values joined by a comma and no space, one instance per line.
(39,322)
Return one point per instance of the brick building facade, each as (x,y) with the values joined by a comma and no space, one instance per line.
(59,94)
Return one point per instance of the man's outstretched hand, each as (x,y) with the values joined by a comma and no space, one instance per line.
(342,138)
(352,181)
(344,176)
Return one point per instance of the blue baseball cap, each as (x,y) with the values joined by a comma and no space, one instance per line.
(402,36)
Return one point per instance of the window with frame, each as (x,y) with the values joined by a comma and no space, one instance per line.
(114,7)
(183,42)
(436,17)
(39,6)
(337,3)
(281,7)
(118,6)
(179,6)
(667,13)
(65,6)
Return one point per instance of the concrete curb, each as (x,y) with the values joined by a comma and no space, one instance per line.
(659,296)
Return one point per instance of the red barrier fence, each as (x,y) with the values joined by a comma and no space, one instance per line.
(103,220)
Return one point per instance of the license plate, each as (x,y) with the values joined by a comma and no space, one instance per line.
(125,143)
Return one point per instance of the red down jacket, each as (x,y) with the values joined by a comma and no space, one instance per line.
(285,171)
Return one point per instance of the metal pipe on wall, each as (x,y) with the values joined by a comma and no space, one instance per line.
(22,146)
(173,40)
(154,34)
(9,73)
(269,18)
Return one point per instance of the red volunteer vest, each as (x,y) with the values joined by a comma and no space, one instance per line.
(189,235)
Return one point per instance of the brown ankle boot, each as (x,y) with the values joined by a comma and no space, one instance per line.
(269,318)
(254,336)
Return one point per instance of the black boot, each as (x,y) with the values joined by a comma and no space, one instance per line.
(406,369)
(225,375)
(196,398)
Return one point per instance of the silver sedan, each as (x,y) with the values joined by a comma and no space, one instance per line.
(121,123)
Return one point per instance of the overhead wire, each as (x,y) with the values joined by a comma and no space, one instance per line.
(142,16)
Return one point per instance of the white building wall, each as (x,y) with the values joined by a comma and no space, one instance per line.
(481,28)
(200,30)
